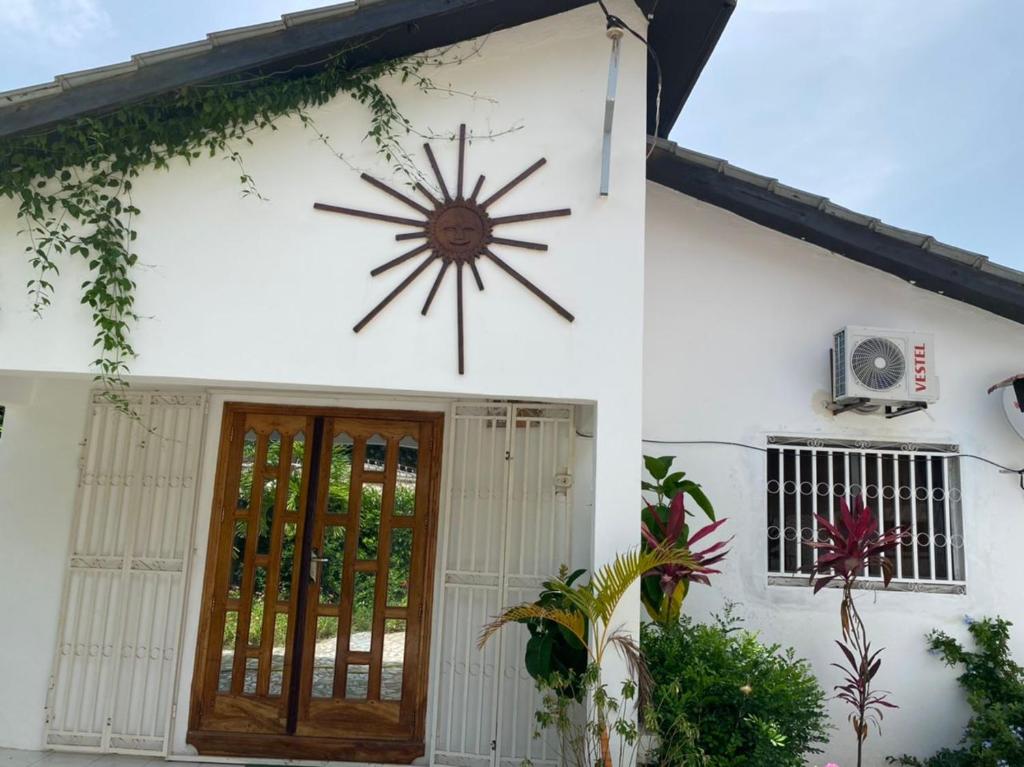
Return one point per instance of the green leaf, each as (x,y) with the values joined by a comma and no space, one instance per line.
(671,484)
(111,149)
(693,490)
(538,656)
(652,515)
(651,595)
(658,467)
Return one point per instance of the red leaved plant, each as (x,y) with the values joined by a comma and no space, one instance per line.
(856,689)
(665,587)
(851,547)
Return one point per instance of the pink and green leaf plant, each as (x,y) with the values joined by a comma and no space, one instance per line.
(851,547)
(665,525)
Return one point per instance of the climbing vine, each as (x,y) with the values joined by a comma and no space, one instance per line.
(73,181)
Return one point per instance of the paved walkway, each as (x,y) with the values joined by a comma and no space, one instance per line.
(323,668)
(10,757)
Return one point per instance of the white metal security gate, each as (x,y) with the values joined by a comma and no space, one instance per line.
(120,625)
(507,529)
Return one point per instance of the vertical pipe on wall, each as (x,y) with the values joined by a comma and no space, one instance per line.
(615,34)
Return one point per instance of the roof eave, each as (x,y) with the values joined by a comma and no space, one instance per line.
(920,259)
(683,33)
(376,30)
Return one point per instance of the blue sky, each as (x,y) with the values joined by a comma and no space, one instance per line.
(909,110)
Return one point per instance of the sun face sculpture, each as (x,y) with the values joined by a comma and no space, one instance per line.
(457,231)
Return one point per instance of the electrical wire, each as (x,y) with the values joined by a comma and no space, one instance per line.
(990,462)
(1007,469)
(705,442)
(615,21)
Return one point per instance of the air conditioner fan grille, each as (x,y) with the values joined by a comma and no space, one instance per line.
(878,364)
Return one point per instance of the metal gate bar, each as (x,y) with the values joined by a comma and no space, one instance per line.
(509,489)
(120,621)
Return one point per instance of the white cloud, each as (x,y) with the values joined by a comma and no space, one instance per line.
(60,23)
(17,13)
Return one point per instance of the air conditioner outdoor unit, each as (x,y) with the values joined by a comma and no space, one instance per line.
(874,368)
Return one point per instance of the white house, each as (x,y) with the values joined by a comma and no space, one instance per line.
(166,589)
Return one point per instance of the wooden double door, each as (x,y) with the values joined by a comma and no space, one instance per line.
(314,638)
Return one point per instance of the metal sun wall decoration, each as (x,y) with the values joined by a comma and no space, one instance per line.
(457,230)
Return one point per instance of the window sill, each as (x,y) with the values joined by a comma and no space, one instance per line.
(919,587)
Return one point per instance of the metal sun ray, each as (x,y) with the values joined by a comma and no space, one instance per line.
(458,231)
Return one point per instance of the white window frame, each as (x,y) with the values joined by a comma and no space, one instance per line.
(914,478)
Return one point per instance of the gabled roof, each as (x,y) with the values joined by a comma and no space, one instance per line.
(919,258)
(683,33)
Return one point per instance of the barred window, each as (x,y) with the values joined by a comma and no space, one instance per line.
(916,487)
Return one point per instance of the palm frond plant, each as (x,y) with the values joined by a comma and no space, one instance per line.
(587,612)
(850,548)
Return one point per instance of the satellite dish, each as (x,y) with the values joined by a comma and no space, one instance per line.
(1013,411)
(1013,402)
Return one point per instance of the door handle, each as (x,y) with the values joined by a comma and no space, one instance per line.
(315,560)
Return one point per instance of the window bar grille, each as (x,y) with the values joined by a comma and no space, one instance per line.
(887,477)
(799,521)
(931,520)
(782,513)
(913,513)
(846,478)
(831,488)
(896,506)
(947,529)
(863,483)
(814,505)
(880,498)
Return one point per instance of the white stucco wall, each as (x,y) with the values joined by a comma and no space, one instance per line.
(235,289)
(738,326)
(242,292)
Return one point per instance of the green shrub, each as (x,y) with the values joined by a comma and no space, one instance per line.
(994,685)
(739,703)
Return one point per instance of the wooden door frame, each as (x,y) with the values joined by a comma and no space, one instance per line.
(284,746)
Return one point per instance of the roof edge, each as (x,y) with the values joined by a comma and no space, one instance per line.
(683,33)
(918,258)
(378,30)
(702,25)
